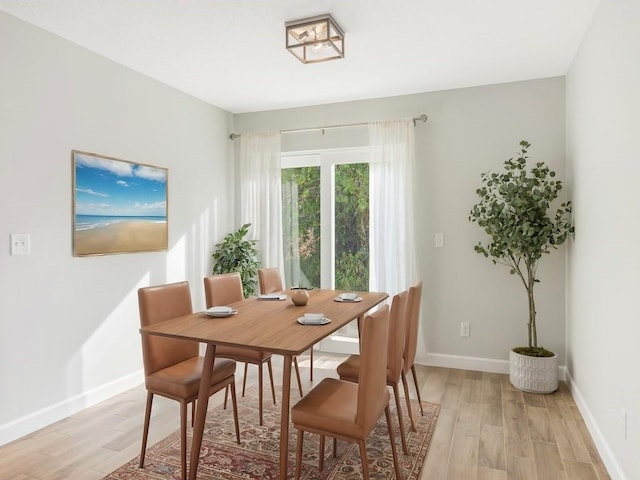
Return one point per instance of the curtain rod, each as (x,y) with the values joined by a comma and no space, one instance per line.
(422,118)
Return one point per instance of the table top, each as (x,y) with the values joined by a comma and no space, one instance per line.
(269,325)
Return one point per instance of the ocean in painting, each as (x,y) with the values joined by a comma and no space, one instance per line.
(88,222)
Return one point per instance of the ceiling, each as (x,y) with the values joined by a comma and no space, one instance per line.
(230,53)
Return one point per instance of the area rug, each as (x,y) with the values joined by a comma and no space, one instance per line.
(257,457)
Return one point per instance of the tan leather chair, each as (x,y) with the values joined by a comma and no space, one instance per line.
(348,410)
(410,347)
(349,370)
(225,289)
(173,367)
(269,281)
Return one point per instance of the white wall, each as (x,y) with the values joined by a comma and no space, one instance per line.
(469,131)
(603,319)
(68,325)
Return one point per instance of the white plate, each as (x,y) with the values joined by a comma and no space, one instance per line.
(220,311)
(355,300)
(304,321)
(272,296)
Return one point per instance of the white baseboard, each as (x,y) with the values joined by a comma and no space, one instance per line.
(609,460)
(34,421)
(473,363)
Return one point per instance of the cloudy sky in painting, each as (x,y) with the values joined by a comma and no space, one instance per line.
(105,186)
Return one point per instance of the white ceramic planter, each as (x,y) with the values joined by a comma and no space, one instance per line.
(533,374)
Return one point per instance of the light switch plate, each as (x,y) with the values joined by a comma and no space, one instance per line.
(20,244)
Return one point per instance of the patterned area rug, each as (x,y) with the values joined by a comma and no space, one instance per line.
(257,455)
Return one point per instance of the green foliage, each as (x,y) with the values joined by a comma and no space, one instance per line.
(301,190)
(514,211)
(237,254)
(352,226)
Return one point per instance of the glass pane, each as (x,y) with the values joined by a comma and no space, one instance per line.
(301,226)
(351,223)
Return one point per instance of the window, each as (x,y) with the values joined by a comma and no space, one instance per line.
(325,222)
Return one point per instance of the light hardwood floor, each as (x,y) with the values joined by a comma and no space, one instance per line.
(486,430)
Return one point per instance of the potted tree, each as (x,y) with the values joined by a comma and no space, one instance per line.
(235,253)
(514,210)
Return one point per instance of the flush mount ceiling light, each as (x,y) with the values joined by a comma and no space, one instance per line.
(315,39)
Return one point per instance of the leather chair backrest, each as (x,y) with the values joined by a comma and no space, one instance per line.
(372,378)
(397,331)
(156,304)
(223,289)
(269,280)
(411,340)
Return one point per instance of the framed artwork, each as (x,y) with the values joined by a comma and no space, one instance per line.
(118,206)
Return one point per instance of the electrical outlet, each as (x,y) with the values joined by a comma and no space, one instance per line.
(464,329)
(439,240)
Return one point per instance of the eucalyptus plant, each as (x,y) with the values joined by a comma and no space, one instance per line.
(514,210)
(235,253)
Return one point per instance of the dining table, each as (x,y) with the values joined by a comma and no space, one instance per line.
(267,324)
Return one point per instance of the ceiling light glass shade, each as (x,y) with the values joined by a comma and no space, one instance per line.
(315,39)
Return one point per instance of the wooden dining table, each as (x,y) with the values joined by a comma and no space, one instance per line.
(267,325)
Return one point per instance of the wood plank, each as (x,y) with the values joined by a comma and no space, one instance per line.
(540,425)
(549,465)
(491,448)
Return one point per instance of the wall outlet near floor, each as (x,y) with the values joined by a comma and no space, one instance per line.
(464,329)
(439,240)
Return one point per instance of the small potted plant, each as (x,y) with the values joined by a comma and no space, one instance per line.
(237,254)
(514,210)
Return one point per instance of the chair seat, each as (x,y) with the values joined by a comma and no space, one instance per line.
(182,380)
(242,354)
(331,406)
(348,370)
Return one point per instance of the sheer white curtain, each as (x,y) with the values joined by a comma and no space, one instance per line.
(260,193)
(391,223)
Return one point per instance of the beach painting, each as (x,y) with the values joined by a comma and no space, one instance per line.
(118,206)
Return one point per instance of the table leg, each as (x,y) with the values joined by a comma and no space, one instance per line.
(201,411)
(284,416)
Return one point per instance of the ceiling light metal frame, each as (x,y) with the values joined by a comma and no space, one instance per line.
(315,39)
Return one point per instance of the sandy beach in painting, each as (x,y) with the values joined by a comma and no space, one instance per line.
(123,237)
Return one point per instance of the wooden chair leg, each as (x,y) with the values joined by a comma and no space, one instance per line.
(260,392)
(226,396)
(295,364)
(273,388)
(321,454)
(405,385)
(193,412)
(335,447)
(403,439)
(311,364)
(183,439)
(234,403)
(244,378)
(299,454)
(145,429)
(415,381)
(387,412)
(364,459)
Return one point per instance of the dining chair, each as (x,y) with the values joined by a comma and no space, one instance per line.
(173,367)
(410,347)
(270,281)
(349,370)
(224,289)
(347,410)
